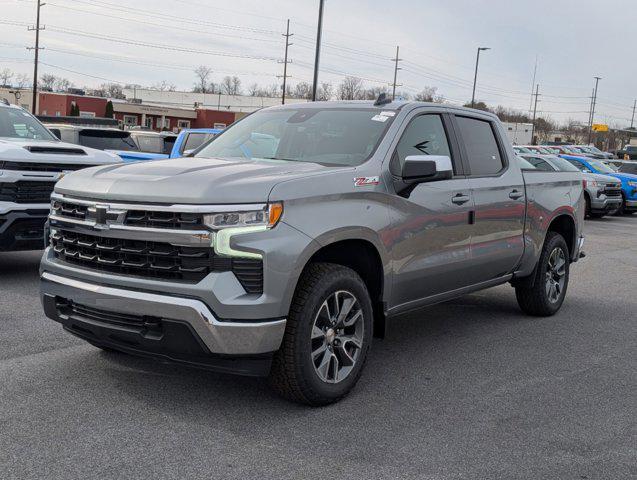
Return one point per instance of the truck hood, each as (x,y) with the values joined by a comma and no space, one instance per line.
(187,180)
(47,152)
(600,178)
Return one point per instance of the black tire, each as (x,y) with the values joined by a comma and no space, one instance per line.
(535,300)
(293,374)
(621,210)
(596,215)
(587,210)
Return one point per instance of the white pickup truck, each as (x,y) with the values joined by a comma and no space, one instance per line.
(32,160)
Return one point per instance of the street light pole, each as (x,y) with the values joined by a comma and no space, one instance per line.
(475,77)
(317,57)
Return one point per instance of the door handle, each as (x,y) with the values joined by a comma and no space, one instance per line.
(460,199)
(514,195)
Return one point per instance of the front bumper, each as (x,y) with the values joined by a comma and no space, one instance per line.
(174,328)
(23,229)
(630,205)
(605,204)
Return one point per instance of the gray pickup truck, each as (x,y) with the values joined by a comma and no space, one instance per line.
(283,246)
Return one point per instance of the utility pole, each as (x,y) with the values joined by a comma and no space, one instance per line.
(475,77)
(37,51)
(287,36)
(594,104)
(536,95)
(632,120)
(317,57)
(533,83)
(396,68)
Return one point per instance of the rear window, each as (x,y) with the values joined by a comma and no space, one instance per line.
(107,140)
(481,145)
(540,163)
(150,143)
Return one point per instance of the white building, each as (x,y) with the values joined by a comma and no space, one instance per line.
(214,101)
(519,133)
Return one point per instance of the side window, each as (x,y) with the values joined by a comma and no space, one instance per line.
(540,164)
(425,135)
(481,145)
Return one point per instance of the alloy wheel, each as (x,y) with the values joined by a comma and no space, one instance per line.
(337,337)
(555,274)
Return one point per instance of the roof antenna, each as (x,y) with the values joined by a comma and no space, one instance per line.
(382,100)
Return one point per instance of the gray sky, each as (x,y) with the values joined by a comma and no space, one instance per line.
(573,41)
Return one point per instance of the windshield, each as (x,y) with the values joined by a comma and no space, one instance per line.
(563,165)
(602,167)
(107,140)
(18,123)
(343,137)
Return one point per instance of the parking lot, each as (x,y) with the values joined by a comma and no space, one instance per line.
(467,389)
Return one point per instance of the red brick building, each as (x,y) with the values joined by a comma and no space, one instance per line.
(131,114)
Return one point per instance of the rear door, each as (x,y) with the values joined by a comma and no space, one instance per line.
(431,247)
(498,193)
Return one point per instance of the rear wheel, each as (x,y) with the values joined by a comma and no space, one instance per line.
(547,294)
(327,336)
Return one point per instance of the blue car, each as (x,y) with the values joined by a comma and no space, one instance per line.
(187,141)
(629,181)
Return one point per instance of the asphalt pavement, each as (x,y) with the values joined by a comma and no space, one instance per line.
(468,389)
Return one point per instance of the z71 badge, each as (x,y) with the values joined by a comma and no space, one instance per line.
(366,181)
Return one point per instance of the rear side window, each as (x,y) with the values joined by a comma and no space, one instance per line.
(481,146)
(195,140)
(540,163)
(425,135)
(580,166)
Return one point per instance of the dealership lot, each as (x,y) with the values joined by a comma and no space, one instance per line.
(467,389)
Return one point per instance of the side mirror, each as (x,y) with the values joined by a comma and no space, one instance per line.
(586,170)
(188,152)
(427,168)
(420,169)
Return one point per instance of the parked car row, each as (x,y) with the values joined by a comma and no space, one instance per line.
(609,189)
(134,145)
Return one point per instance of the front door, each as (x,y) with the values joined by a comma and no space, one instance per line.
(431,235)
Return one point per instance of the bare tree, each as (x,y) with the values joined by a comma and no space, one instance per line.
(62,84)
(5,76)
(164,86)
(325,92)
(302,90)
(351,88)
(373,92)
(429,94)
(22,80)
(253,90)
(47,81)
(231,85)
(113,90)
(202,74)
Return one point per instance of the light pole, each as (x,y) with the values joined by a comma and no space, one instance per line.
(475,77)
(317,58)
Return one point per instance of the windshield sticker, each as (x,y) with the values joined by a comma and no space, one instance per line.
(380,118)
(388,114)
(366,181)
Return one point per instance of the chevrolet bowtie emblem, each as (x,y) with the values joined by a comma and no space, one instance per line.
(104,217)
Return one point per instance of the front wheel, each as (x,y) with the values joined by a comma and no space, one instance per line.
(547,294)
(327,336)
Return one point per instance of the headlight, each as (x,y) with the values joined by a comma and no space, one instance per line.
(265,217)
(229,224)
(632,184)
